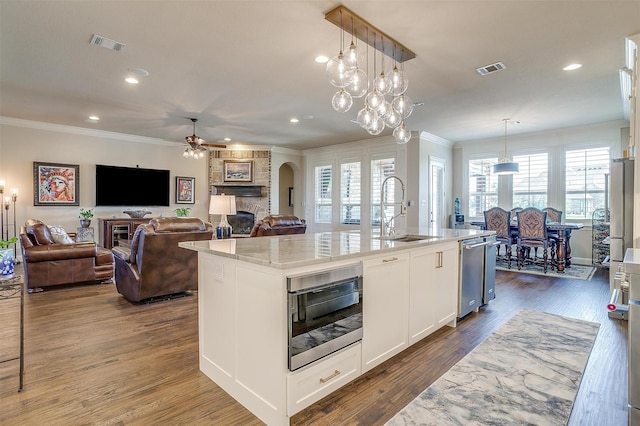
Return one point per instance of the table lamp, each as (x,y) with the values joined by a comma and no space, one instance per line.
(223,205)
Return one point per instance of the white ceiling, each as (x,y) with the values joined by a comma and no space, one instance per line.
(244,68)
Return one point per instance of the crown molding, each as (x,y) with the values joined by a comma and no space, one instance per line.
(38,125)
(430,137)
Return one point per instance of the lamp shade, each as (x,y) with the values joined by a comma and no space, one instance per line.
(506,168)
(222,204)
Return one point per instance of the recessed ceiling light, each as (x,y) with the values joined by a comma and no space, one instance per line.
(227,139)
(94,118)
(139,72)
(572,67)
(131,80)
(321,59)
(294,120)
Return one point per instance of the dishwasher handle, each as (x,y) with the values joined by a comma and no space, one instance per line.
(472,246)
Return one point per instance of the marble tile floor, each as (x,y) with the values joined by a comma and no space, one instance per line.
(527,372)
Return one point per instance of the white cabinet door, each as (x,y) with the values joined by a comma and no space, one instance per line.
(447,283)
(385,308)
(433,290)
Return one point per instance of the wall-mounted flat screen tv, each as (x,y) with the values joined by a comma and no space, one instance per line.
(131,187)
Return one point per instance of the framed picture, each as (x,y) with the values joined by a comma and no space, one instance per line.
(56,184)
(185,190)
(238,171)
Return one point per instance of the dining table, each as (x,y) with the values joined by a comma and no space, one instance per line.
(563,230)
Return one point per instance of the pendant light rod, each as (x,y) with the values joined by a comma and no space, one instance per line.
(506,121)
(360,26)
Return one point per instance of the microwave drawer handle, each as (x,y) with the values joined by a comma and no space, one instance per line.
(326,379)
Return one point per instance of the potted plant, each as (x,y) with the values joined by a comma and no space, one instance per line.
(182,211)
(6,258)
(85,217)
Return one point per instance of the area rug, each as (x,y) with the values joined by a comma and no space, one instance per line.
(527,372)
(577,272)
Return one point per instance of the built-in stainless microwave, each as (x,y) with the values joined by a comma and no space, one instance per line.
(325,313)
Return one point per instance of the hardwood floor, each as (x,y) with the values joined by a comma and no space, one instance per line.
(94,358)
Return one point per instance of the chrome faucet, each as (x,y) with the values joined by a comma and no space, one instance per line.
(387,229)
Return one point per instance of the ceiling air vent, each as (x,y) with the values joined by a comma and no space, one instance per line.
(107,43)
(488,69)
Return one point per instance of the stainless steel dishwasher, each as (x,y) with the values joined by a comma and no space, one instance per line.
(477,273)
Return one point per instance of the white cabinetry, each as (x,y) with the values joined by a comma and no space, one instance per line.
(385,306)
(433,290)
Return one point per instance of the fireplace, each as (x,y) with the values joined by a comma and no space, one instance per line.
(241,222)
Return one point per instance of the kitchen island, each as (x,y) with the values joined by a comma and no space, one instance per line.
(409,290)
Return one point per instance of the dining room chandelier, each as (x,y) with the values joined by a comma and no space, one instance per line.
(386,104)
(505,166)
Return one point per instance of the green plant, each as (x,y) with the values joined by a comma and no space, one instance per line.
(7,243)
(182,211)
(86,213)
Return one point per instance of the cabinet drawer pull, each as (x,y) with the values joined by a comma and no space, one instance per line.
(393,259)
(326,379)
(439,261)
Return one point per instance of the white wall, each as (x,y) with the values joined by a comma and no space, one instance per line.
(23,142)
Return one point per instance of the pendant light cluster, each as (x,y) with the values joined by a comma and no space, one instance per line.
(385,102)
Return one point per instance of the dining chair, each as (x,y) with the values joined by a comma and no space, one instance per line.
(532,233)
(553,215)
(499,220)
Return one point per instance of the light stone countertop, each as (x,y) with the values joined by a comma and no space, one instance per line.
(632,261)
(291,251)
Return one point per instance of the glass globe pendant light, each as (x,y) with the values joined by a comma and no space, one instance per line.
(365,116)
(392,118)
(337,68)
(397,80)
(338,72)
(403,105)
(380,82)
(342,101)
(359,83)
(376,126)
(401,134)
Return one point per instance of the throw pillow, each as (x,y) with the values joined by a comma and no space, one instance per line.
(59,235)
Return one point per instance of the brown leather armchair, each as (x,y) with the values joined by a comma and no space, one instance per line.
(278,225)
(154,265)
(47,263)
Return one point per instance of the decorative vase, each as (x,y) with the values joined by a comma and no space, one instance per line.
(85,223)
(6,263)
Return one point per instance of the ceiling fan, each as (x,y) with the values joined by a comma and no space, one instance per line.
(197,146)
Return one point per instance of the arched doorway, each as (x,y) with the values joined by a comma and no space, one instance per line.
(286,191)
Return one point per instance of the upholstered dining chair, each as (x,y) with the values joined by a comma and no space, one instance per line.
(499,220)
(553,215)
(532,233)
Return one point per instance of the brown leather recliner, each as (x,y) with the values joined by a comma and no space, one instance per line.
(47,263)
(278,225)
(154,265)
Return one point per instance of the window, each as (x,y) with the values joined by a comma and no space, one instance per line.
(531,183)
(585,181)
(350,193)
(380,170)
(483,186)
(323,194)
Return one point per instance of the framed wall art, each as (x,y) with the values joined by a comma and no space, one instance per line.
(238,171)
(185,190)
(56,184)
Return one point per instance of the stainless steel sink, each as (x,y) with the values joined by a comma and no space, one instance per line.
(410,238)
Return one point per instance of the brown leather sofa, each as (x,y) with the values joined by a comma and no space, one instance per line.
(47,263)
(154,265)
(278,225)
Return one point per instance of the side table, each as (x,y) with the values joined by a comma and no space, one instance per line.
(11,289)
(85,234)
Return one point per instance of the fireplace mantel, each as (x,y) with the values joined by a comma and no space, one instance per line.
(237,190)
